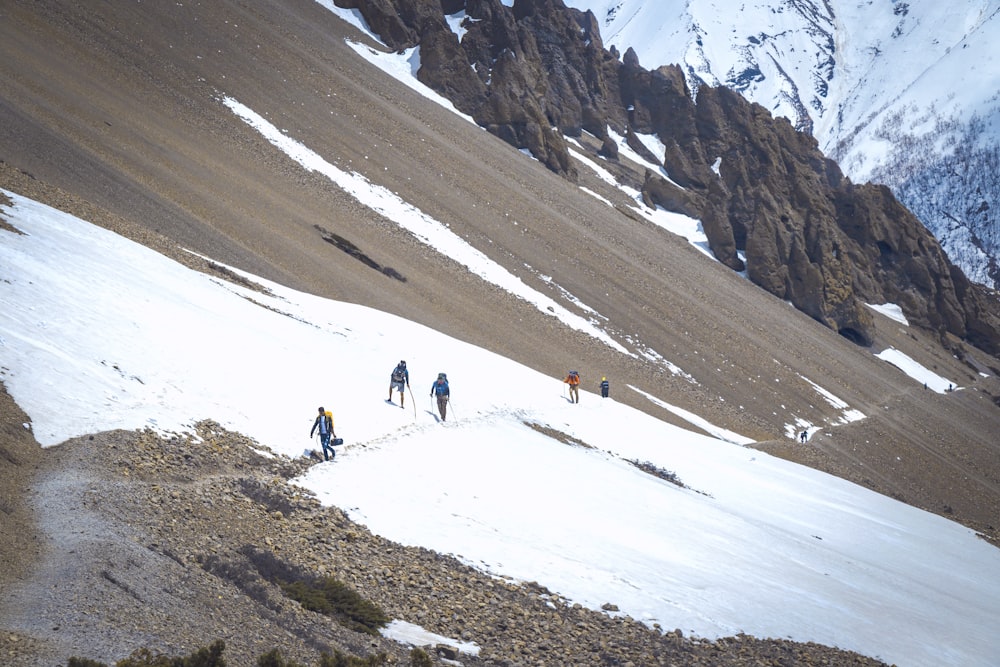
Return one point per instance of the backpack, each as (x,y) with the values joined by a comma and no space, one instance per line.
(574,377)
(327,426)
(398,374)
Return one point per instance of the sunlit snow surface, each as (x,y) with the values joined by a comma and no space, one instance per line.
(916,370)
(97,332)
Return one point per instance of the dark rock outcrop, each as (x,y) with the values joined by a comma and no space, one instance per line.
(770,202)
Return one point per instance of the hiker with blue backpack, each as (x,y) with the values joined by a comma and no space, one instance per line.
(443,393)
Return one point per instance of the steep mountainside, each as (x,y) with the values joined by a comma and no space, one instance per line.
(899,93)
(769,200)
(115,112)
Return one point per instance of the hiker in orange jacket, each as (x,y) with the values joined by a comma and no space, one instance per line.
(573,380)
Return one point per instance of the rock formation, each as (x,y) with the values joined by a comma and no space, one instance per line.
(770,202)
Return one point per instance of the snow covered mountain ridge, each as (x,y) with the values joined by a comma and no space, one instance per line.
(903,93)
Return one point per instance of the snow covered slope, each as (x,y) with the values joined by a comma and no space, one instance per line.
(99,333)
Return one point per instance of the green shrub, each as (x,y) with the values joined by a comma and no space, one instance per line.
(274,659)
(323,595)
(339,601)
(145,658)
(209,656)
(339,659)
(419,658)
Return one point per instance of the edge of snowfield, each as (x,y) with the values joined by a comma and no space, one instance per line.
(99,333)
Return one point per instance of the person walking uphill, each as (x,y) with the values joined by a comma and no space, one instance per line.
(399,380)
(324,424)
(605,387)
(573,380)
(443,393)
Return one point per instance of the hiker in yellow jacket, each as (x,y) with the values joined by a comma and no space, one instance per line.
(324,424)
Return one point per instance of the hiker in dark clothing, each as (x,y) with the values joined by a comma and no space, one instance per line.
(443,393)
(324,424)
(399,379)
(605,387)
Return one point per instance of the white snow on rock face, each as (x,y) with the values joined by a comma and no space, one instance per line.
(902,92)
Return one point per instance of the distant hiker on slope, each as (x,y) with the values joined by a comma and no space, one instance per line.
(605,387)
(399,379)
(443,393)
(324,424)
(573,380)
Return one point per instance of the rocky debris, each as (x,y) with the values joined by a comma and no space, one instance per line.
(20,456)
(169,535)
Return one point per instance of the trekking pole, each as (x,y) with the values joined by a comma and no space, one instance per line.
(454,413)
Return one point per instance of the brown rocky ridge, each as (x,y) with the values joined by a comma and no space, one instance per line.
(777,207)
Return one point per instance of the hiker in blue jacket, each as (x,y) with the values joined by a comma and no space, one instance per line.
(443,393)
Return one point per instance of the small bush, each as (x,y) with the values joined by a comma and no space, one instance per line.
(339,601)
(209,656)
(419,658)
(339,659)
(324,595)
(273,659)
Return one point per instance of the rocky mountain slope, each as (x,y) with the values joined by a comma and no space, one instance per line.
(899,93)
(769,200)
(113,113)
